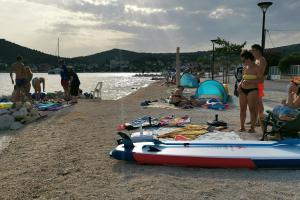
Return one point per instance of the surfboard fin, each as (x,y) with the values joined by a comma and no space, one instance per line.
(126,140)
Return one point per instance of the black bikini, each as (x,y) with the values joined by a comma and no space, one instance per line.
(247,91)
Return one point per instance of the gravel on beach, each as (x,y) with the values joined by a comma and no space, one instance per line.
(66,156)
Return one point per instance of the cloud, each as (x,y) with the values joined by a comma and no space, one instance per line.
(135,8)
(153,26)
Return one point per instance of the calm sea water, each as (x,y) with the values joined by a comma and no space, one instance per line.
(115,85)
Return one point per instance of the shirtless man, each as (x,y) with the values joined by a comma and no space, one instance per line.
(261,62)
(36,84)
(19,69)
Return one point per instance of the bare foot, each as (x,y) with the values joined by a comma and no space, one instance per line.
(242,130)
(251,130)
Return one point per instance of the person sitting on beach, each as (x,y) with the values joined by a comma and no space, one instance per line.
(29,75)
(36,84)
(248,90)
(289,108)
(177,97)
(293,100)
(19,89)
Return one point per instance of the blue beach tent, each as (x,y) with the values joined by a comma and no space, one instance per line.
(212,89)
(189,81)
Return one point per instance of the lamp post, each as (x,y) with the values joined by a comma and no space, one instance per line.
(264,7)
(212,67)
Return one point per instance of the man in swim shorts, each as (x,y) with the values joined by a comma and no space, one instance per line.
(261,62)
(20,82)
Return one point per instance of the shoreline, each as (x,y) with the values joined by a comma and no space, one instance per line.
(66,157)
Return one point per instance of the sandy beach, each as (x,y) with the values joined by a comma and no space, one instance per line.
(66,156)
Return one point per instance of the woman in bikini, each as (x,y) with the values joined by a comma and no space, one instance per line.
(248,90)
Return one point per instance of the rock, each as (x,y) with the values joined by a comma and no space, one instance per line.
(18,105)
(3,111)
(20,114)
(27,105)
(16,126)
(34,112)
(6,121)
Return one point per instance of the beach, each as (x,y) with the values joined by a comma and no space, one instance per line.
(66,156)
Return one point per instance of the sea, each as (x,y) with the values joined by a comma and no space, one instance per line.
(114,85)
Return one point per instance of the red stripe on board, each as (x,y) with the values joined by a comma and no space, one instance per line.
(194,161)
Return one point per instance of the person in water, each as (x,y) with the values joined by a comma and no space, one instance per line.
(261,62)
(65,79)
(29,75)
(36,84)
(20,81)
(248,90)
(75,83)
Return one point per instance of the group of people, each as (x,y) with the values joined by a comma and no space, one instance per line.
(70,82)
(251,88)
(24,80)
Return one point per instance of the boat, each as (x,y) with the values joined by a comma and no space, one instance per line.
(211,154)
(54,71)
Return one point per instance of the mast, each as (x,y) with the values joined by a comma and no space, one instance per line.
(58,49)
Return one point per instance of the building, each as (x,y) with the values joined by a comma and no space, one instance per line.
(275,73)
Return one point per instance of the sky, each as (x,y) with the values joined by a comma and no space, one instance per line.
(87,27)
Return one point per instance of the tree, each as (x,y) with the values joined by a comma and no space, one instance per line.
(287,61)
(230,52)
(273,59)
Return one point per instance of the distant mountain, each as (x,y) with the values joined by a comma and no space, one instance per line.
(286,49)
(9,52)
(112,60)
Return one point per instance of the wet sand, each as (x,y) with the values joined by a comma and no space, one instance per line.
(66,156)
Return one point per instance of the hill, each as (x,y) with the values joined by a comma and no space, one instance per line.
(9,51)
(112,60)
(286,49)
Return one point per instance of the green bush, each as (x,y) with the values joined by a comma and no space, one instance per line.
(287,61)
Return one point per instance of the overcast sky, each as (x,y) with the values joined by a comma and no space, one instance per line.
(90,26)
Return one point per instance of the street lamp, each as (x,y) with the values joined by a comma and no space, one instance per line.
(212,67)
(264,7)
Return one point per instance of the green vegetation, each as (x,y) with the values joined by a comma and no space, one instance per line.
(288,60)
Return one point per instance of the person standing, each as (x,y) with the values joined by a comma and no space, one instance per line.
(29,75)
(261,62)
(248,90)
(20,81)
(65,79)
(75,83)
(36,84)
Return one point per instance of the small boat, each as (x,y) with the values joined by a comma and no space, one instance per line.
(54,71)
(211,154)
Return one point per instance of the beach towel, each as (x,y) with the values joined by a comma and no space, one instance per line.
(172,121)
(190,132)
(50,106)
(145,121)
(6,105)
